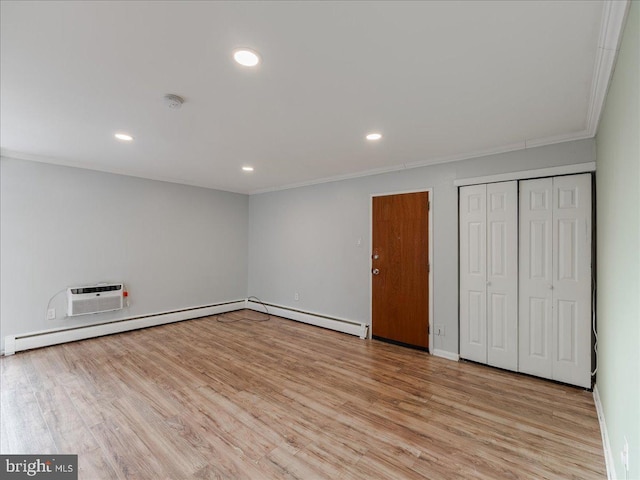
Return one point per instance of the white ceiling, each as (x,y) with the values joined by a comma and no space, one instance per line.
(440,80)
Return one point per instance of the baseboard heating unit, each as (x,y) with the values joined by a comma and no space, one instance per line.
(338,324)
(45,338)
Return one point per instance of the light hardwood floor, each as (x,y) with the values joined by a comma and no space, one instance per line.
(281,400)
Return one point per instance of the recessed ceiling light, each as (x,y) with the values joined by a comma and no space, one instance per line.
(247,169)
(374,136)
(124,137)
(246,57)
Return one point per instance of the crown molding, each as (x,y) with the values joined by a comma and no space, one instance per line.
(30,157)
(567,137)
(335,178)
(586,167)
(613,19)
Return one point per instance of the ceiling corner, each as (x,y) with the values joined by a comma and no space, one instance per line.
(613,20)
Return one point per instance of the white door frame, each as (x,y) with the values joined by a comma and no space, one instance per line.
(430,247)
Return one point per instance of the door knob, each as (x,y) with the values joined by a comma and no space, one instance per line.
(375,271)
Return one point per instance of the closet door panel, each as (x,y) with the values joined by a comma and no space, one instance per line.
(572,279)
(535,355)
(502,275)
(537,334)
(473,273)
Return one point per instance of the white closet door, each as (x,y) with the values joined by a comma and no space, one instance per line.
(473,273)
(571,329)
(502,275)
(536,278)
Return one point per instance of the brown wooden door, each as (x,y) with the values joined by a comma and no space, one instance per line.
(400,268)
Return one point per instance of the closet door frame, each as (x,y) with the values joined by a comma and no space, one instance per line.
(583,378)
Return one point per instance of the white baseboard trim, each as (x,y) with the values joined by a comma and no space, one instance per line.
(444,354)
(608,454)
(45,338)
(341,325)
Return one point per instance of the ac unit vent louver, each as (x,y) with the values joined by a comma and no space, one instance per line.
(94,299)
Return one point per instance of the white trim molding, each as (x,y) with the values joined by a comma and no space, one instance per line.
(608,454)
(552,140)
(614,16)
(613,19)
(15,155)
(352,327)
(527,174)
(444,354)
(45,338)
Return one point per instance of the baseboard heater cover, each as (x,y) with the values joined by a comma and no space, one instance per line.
(338,324)
(28,341)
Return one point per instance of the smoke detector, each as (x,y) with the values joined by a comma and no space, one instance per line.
(173,101)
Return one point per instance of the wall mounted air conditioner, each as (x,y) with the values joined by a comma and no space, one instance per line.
(94,299)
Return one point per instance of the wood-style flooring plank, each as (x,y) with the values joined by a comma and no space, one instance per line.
(26,429)
(238,398)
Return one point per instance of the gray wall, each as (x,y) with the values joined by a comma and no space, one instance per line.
(177,246)
(618,214)
(305,239)
(174,246)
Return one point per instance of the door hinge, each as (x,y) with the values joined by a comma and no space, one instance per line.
(429,205)
(429,267)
